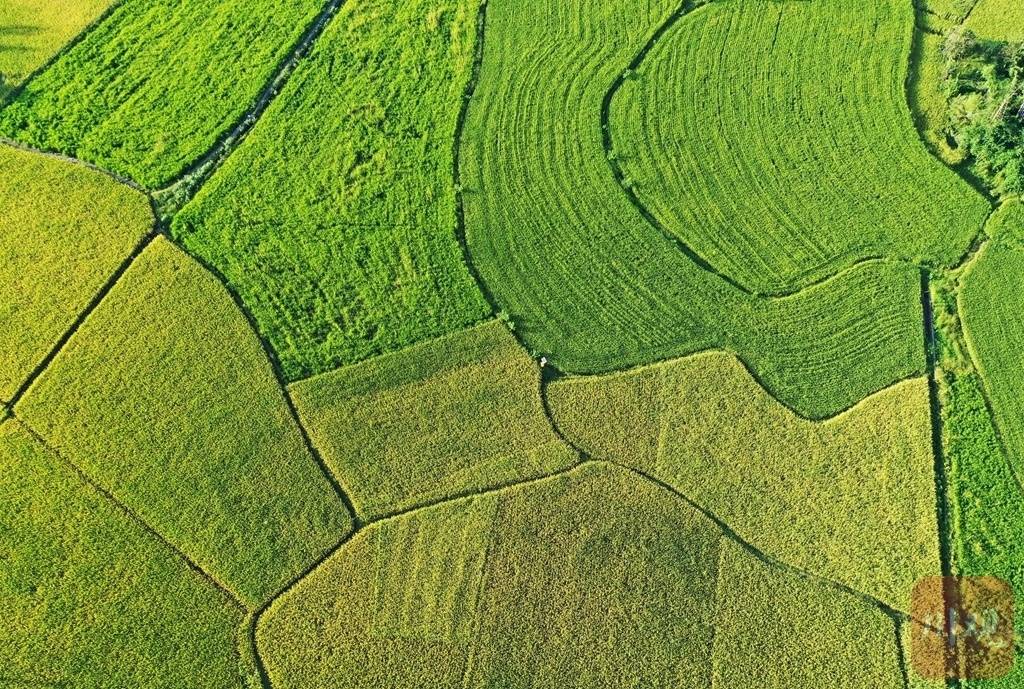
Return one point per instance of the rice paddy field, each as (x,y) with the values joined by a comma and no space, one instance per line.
(486,344)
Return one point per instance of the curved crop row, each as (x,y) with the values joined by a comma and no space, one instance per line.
(594,286)
(774,138)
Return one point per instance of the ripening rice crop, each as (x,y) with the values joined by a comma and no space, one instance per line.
(774,139)
(92,599)
(777,629)
(588,280)
(165,398)
(152,87)
(591,579)
(783,483)
(998,20)
(991,303)
(64,231)
(31,32)
(335,220)
(455,415)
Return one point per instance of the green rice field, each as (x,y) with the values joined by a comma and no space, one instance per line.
(479,344)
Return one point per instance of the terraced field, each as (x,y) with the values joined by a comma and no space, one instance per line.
(748,136)
(594,285)
(584,343)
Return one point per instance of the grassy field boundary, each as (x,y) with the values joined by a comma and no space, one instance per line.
(174,196)
(128,512)
(90,307)
(79,162)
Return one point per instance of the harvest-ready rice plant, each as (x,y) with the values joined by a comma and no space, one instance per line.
(748,135)
(777,629)
(593,578)
(783,483)
(335,220)
(165,398)
(153,87)
(32,31)
(91,598)
(452,416)
(588,280)
(991,303)
(64,231)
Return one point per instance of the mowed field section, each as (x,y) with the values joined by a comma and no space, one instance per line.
(785,484)
(64,232)
(593,578)
(165,398)
(589,281)
(774,138)
(335,220)
(151,88)
(92,599)
(31,32)
(450,417)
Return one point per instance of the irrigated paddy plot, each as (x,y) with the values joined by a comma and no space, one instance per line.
(589,281)
(783,483)
(152,88)
(91,598)
(165,398)
(64,232)
(335,221)
(774,139)
(449,417)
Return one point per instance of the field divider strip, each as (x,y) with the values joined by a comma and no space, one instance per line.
(727,531)
(82,317)
(363,525)
(133,516)
(64,49)
(175,195)
(120,179)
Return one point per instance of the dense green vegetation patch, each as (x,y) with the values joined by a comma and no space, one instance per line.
(455,415)
(336,219)
(1000,20)
(31,32)
(774,138)
(64,230)
(991,302)
(594,286)
(590,579)
(984,87)
(165,398)
(787,485)
(89,597)
(152,88)
(779,629)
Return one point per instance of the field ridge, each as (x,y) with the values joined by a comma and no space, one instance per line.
(81,318)
(131,514)
(173,196)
